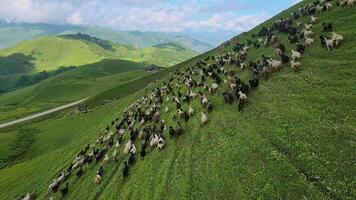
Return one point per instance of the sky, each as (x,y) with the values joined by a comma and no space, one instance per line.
(147,15)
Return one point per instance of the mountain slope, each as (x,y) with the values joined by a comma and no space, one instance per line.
(293,140)
(14,33)
(82,82)
(50,53)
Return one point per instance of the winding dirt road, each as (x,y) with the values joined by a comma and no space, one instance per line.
(10,123)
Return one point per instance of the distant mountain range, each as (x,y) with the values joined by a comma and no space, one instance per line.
(14,33)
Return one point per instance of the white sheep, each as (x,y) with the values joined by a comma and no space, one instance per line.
(308,27)
(295,65)
(309,41)
(308,33)
(127,147)
(193,95)
(242,96)
(166,109)
(114,155)
(328,5)
(106,159)
(313,19)
(133,149)
(203,119)
(275,64)
(278,51)
(296,55)
(154,140)
(337,37)
(52,185)
(242,66)
(213,88)
(204,100)
(97,179)
(351,3)
(160,144)
(191,111)
(329,44)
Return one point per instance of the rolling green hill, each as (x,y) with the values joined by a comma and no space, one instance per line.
(295,138)
(49,53)
(14,33)
(84,81)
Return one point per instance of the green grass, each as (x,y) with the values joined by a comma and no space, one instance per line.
(86,81)
(295,138)
(52,52)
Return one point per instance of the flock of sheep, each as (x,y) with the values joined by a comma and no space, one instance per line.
(144,121)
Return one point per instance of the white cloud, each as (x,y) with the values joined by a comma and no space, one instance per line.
(143,15)
(229,22)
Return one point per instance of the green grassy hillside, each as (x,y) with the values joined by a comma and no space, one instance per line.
(85,81)
(50,53)
(295,138)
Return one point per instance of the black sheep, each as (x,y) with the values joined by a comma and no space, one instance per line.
(143,153)
(64,190)
(285,59)
(209,107)
(327,27)
(300,48)
(171,132)
(126,171)
(254,83)
(132,159)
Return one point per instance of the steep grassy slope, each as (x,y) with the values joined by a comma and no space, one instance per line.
(85,81)
(49,53)
(295,138)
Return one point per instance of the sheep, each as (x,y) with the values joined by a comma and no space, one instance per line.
(328,5)
(204,100)
(313,19)
(327,27)
(97,179)
(242,66)
(213,88)
(154,141)
(319,8)
(125,173)
(133,149)
(275,64)
(296,55)
(307,33)
(53,187)
(242,100)
(308,27)
(295,65)
(266,72)
(114,155)
(191,111)
(337,38)
(209,107)
(29,196)
(193,95)
(127,147)
(143,153)
(64,190)
(160,144)
(351,3)
(329,43)
(203,119)
(309,41)
(106,159)
(278,51)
